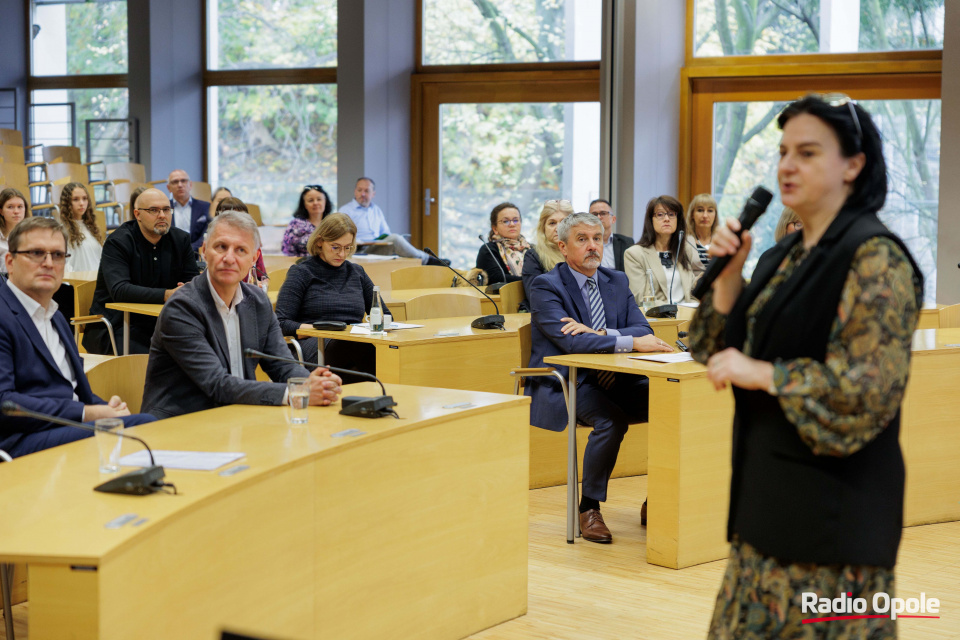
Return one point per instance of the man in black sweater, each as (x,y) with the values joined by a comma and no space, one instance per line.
(144,261)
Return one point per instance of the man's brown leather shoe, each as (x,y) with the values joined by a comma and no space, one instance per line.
(592,527)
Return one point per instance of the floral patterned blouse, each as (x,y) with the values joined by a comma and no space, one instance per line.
(295,237)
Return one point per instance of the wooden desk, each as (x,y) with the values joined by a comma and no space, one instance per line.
(690,435)
(396,299)
(80,277)
(145,309)
(416,529)
(930,316)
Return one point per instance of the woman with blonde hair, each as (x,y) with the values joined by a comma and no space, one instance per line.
(788,223)
(702,223)
(545,254)
(327,286)
(78,218)
(13,209)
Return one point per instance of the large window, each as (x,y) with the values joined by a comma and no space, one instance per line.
(60,117)
(79,38)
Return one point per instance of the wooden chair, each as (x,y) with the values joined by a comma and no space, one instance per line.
(16,155)
(121,172)
(74,172)
(254,210)
(15,138)
(82,301)
(122,376)
(202,191)
(277,278)
(511,295)
(15,175)
(121,194)
(950,317)
(423,277)
(71,155)
(442,305)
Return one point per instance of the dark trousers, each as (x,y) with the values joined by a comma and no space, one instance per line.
(609,412)
(57,435)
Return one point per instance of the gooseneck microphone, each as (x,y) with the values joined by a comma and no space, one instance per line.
(669,310)
(483,322)
(756,204)
(497,262)
(358,406)
(140,482)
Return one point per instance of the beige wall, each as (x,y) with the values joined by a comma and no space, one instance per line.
(948,236)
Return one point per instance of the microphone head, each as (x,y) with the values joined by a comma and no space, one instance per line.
(10,408)
(762,197)
(430,251)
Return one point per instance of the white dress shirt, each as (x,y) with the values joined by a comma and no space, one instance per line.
(183,214)
(43,321)
(371,224)
(86,255)
(609,260)
(231,325)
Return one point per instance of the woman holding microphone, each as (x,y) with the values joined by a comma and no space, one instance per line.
(817,350)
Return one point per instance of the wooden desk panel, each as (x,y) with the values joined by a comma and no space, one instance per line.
(396,299)
(327,534)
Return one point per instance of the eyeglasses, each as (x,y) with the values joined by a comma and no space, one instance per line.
(839,100)
(180,181)
(336,248)
(155,211)
(38,255)
(511,221)
(558,202)
(603,214)
(660,215)
(312,187)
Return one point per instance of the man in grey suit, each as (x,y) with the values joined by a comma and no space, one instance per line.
(196,354)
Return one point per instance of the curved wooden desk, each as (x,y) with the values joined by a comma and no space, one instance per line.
(416,529)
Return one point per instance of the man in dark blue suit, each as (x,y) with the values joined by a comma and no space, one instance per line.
(40,368)
(581,307)
(189,214)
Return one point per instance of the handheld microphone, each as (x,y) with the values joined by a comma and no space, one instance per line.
(483,322)
(497,262)
(140,482)
(669,310)
(358,406)
(756,204)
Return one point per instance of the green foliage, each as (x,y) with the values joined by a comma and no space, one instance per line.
(96,37)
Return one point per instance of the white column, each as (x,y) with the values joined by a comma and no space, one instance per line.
(839,26)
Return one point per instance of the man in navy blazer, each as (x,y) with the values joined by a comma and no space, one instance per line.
(40,368)
(189,214)
(581,307)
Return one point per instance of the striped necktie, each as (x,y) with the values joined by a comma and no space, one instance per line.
(598,320)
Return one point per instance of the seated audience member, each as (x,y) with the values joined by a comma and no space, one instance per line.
(314,205)
(189,214)
(327,286)
(502,256)
(218,196)
(13,209)
(372,225)
(657,249)
(197,353)
(545,254)
(40,368)
(258,275)
(581,307)
(133,199)
(614,244)
(788,223)
(702,223)
(86,238)
(144,261)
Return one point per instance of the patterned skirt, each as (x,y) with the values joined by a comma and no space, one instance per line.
(760,598)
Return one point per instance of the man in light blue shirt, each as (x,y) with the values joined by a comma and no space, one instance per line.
(371,225)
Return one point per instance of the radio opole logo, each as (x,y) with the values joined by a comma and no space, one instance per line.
(846,607)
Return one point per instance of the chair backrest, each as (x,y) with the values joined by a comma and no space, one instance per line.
(83,299)
(11,136)
(57,154)
(121,193)
(950,317)
(72,171)
(201,191)
(122,376)
(423,277)
(129,171)
(277,278)
(511,295)
(12,153)
(14,175)
(254,210)
(442,305)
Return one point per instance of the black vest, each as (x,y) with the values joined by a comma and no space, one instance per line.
(784,500)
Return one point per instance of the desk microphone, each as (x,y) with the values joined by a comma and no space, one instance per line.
(483,322)
(756,204)
(497,262)
(669,310)
(377,407)
(140,482)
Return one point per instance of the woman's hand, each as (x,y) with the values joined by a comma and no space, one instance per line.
(727,286)
(730,365)
(574,328)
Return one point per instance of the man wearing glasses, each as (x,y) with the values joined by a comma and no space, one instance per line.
(144,261)
(614,244)
(40,368)
(189,214)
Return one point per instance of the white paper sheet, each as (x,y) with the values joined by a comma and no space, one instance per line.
(667,358)
(189,460)
(372,257)
(364,327)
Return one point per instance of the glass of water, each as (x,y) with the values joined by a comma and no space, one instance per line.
(108,442)
(649,302)
(298,395)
